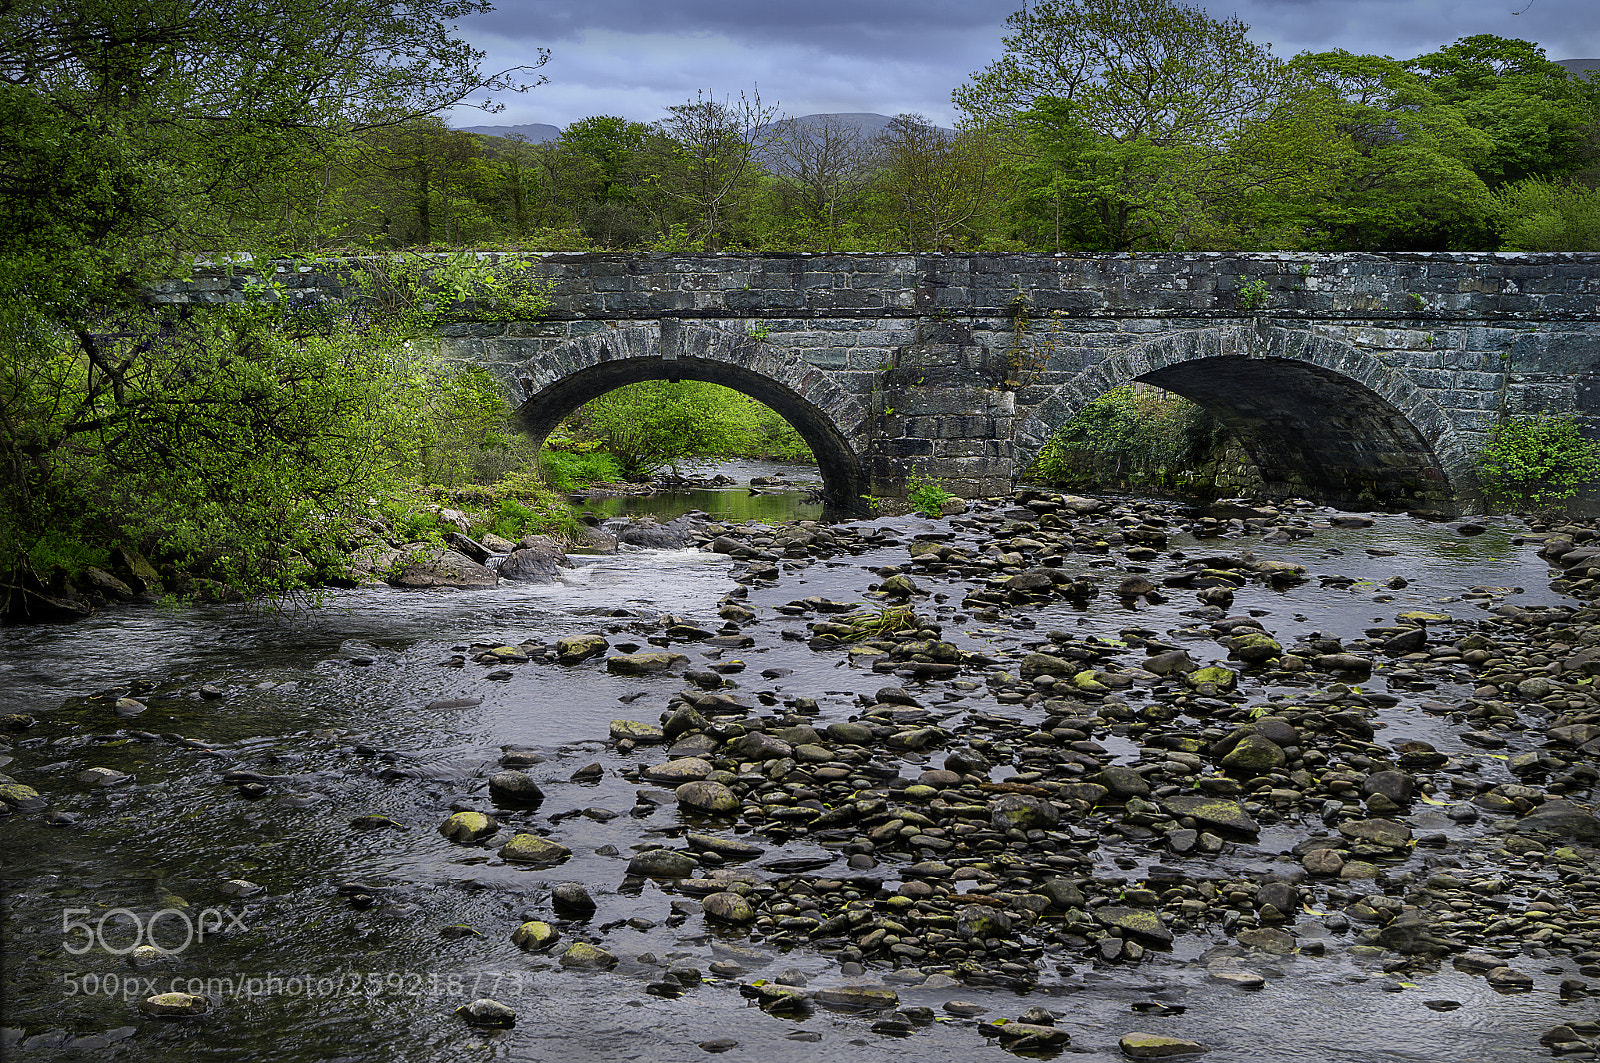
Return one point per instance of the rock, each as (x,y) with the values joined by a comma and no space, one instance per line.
(174,1005)
(859,996)
(1558,818)
(1156,1046)
(728,908)
(572,899)
(534,935)
(103,777)
(1169,662)
(1141,922)
(1268,939)
(1396,786)
(637,732)
(1122,781)
(677,772)
(719,1044)
(489,1013)
(1215,676)
(648,533)
(663,863)
(1213,812)
(1254,755)
(729,848)
(442,568)
(1322,862)
(1508,979)
(711,797)
(851,734)
(16,795)
(645,663)
(467,546)
(1254,647)
(537,559)
(515,788)
(534,850)
(1410,641)
(465,827)
(99,581)
(1384,832)
(586,957)
(1022,812)
(760,747)
(576,648)
(980,922)
(1035,1035)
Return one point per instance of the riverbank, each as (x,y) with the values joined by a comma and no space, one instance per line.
(1117,769)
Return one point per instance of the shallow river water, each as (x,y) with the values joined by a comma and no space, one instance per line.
(356,710)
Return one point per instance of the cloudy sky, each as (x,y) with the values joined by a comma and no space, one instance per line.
(637,57)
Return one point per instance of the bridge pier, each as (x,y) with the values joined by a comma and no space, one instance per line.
(942,411)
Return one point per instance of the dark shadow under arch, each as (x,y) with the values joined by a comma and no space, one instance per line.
(796,392)
(1316,416)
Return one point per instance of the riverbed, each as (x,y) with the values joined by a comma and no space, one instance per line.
(360,929)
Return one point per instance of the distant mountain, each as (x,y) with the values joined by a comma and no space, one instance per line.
(869,123)
(1581,67)
(532,132)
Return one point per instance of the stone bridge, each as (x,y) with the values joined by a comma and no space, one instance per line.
(1352,378)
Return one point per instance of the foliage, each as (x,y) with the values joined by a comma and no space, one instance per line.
(239,441)
(566,470)
(1253,294)
(938,184)
(926,496)
(1134,433)
(657,423)
(1541,215)
(1537,461)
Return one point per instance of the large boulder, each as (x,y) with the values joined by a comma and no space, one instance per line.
(441,567)
(537,559)
(650,534)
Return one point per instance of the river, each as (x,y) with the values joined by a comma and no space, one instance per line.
(363,708)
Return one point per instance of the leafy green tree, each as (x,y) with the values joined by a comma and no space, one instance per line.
(1395,169)
(940,184)
(1542,121)
(706,158)
(1540,215)
(657,424)
(1537,461)
(134,136)
(1127,112)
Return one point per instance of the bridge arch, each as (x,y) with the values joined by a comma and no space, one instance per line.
(1307,408)
(834,424)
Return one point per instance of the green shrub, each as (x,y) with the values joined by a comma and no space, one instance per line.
(1537,461)
(927,497)
(565,470)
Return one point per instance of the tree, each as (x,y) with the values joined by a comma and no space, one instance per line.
(654,424)
(1542,120)
(938,181)
(604,165)
(1127,111)
(825,165)
(1540,215)
(708,155)
(1538,461)
(1396,165)
(1131,70)
(135,135)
